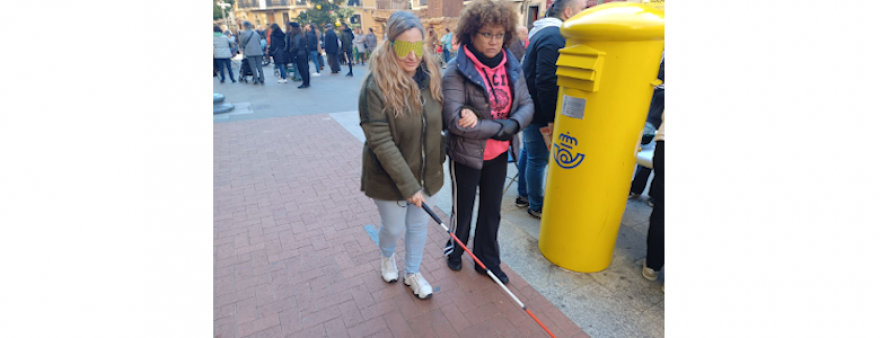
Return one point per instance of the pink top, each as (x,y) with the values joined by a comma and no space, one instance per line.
(499,99)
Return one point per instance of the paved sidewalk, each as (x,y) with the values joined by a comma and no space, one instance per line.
(293,257)
(616,302)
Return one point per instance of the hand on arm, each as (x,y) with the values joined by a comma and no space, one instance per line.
(468,119)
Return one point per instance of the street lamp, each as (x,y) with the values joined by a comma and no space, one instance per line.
(223,5)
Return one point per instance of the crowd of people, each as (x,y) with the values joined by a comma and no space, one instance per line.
(501,83)
(291,45)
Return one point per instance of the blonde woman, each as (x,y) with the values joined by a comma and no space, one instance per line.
(400,109)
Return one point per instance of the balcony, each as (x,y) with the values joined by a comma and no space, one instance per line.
(270,4)
(392,4)
(278,3)
(248,4)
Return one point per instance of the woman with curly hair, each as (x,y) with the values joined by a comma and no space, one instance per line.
(486,104)
(400,110)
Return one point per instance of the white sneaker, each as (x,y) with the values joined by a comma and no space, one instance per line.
(388,267)
(316,74)
(419,285)
(648,273)
(283,80)
(280,80)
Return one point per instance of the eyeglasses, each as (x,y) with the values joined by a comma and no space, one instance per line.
(489,36)
(402,48)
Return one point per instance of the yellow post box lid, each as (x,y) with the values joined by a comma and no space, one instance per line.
(616,21)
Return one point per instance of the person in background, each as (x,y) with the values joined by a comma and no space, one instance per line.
(523,34)
(640,180)
(654,259)
(278,51)
(486,103)
(400,111)
(331,46)
(359,46)
(299,50)
(431,42)
(321,47)
(370,42)
(539,65)
(446,41)
(250,43)
(347,46)
(313,47)
(291,57)
(518,46)
(234,43)
(222,54)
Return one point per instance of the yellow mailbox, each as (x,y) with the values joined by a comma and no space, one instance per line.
(606,74)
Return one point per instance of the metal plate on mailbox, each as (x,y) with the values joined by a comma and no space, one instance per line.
(573,106)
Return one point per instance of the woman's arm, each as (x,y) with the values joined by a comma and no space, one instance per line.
(454,100)
(377,131)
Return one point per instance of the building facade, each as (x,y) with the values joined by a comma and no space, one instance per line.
(439,14)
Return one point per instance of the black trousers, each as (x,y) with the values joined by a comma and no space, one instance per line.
(302,64)
(465,181)
(655,229)
(641,180)
(333,60)
(350,57)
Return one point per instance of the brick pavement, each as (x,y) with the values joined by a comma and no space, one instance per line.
(292,257)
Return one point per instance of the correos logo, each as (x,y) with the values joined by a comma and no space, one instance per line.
(563,153)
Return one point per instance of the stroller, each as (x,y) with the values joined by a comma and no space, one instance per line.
(245,71)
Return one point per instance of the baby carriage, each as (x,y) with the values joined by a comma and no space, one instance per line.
(245,71)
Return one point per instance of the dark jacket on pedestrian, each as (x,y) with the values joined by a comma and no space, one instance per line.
(404,154)
(463,87)
(347,38)
(297,46)
(658,100)
(278,47)
(518,48)
(331,42)
(313,41)
(539,67)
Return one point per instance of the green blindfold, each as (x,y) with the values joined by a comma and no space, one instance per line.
(402,48)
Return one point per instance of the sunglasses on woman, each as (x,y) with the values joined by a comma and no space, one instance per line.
(402,48)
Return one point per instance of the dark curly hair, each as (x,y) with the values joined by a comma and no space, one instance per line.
(481,13)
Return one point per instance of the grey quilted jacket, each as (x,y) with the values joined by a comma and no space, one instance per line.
(463,88)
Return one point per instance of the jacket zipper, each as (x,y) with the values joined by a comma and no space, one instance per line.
(424,131)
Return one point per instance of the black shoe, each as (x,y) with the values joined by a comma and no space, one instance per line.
(535,213)
(453,264)
(303,86)
(522,201)
(222,81)
(233,81)
(496,271)
(349,74)
(651,202)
